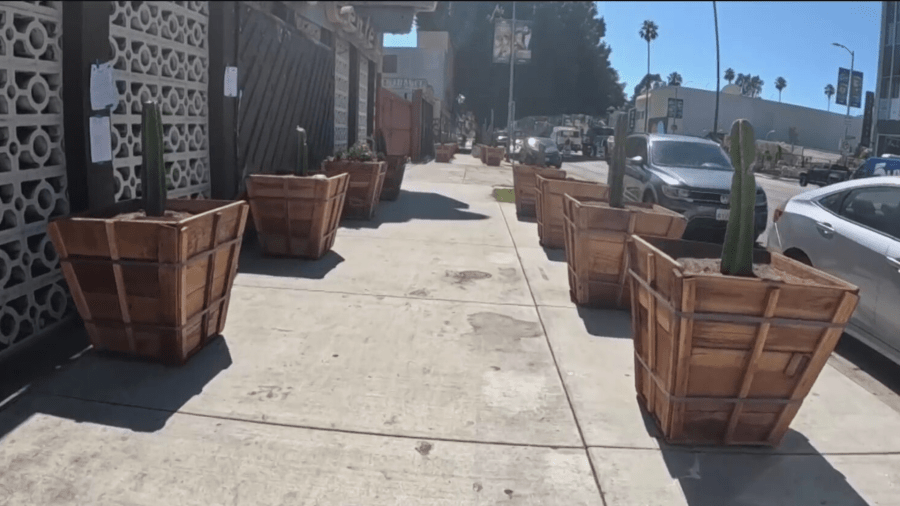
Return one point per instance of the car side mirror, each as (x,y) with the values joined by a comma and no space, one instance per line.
(637,160)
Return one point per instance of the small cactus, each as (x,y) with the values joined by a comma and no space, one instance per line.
(616,177)
(737,253)
(153,169)
(302,153)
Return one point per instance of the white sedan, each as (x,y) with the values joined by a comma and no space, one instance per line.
(851,230)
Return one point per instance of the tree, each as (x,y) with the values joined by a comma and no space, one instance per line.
(829,92)
(780,84)
(729,75)
(743,80)
(646,83)
(755,86)
(674,79)
(579,80)
(649,31)
(718,87)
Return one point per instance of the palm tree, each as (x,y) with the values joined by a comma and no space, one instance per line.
(649,31)
(755,86)
(729,75)
(780,84)
(675,79)
(743,80)
(829,92)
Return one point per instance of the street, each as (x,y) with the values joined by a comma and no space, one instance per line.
(777,191)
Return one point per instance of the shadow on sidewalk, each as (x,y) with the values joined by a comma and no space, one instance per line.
(555,255)
(100,378)
(253,261)
(606,322)
(740,475)
(413,205)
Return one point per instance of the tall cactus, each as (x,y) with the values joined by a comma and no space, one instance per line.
(153,169)
(302,153)
(616,177)
(737,253)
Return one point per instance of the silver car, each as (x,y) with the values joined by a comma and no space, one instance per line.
(851,230)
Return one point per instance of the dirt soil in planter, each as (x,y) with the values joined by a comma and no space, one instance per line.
(713,266)
(142,215)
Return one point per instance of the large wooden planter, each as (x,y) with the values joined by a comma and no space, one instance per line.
(393,177)
(477,152)
(493,156)
(364,191)
(296,216)
(443,153)
(723,359)
(525,186)
(549,206)
(596,237)
(152,287)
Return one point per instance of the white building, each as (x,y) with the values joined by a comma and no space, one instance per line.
(429,64)
(816,129)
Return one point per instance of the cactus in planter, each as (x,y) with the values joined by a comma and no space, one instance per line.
(737,252)
(616,177)
(153,169)
(302,153)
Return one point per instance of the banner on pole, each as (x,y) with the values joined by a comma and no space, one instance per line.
(865,137)
(843,85)
(502,31)
(856,82)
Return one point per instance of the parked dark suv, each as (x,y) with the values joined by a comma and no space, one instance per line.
(689,175)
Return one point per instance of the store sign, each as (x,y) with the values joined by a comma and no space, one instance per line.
(865,136)
(676,108)
(502,44)
(351,23)
(403,83)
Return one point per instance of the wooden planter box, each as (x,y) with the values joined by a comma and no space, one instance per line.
(596,238)
(724,359)
(393,177)
(477,152)
(296,216)
(152,287)
(364,191)
(442,153)
(549,206)
(493,156)
(525,186)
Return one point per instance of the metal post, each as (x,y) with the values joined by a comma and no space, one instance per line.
(512,65)
(847,119)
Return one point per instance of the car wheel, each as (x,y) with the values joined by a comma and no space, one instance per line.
(803,180)
(648,197)
(799,256)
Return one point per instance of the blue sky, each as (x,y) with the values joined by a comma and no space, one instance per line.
(769,39)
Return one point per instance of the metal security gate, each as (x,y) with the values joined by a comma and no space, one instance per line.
(33,298)
(287,81)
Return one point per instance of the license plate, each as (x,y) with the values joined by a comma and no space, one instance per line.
(723,214)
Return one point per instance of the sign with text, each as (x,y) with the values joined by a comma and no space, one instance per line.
(843,86)
(502,31)
(403,83)
(676,108)
(866,136)
(856,80)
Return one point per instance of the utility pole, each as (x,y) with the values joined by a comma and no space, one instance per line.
(512,65)
(718,74)
(847,119)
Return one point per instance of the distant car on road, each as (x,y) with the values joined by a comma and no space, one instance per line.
(568,139)
(851,230)
(529,153)
(689,175)
(594,143)
(825,175)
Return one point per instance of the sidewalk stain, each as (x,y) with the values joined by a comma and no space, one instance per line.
(464,277)
(424,448)
(503,326)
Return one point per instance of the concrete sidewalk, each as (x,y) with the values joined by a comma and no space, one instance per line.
(433,358)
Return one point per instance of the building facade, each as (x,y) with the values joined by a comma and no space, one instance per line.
(692,111)
(886,136)
(429,67)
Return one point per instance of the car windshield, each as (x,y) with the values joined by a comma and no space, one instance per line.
(689,154)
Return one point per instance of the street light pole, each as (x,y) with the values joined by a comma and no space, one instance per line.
(512,65)
(849,81)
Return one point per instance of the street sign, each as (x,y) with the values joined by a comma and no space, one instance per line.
(856,82)
(843,86)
